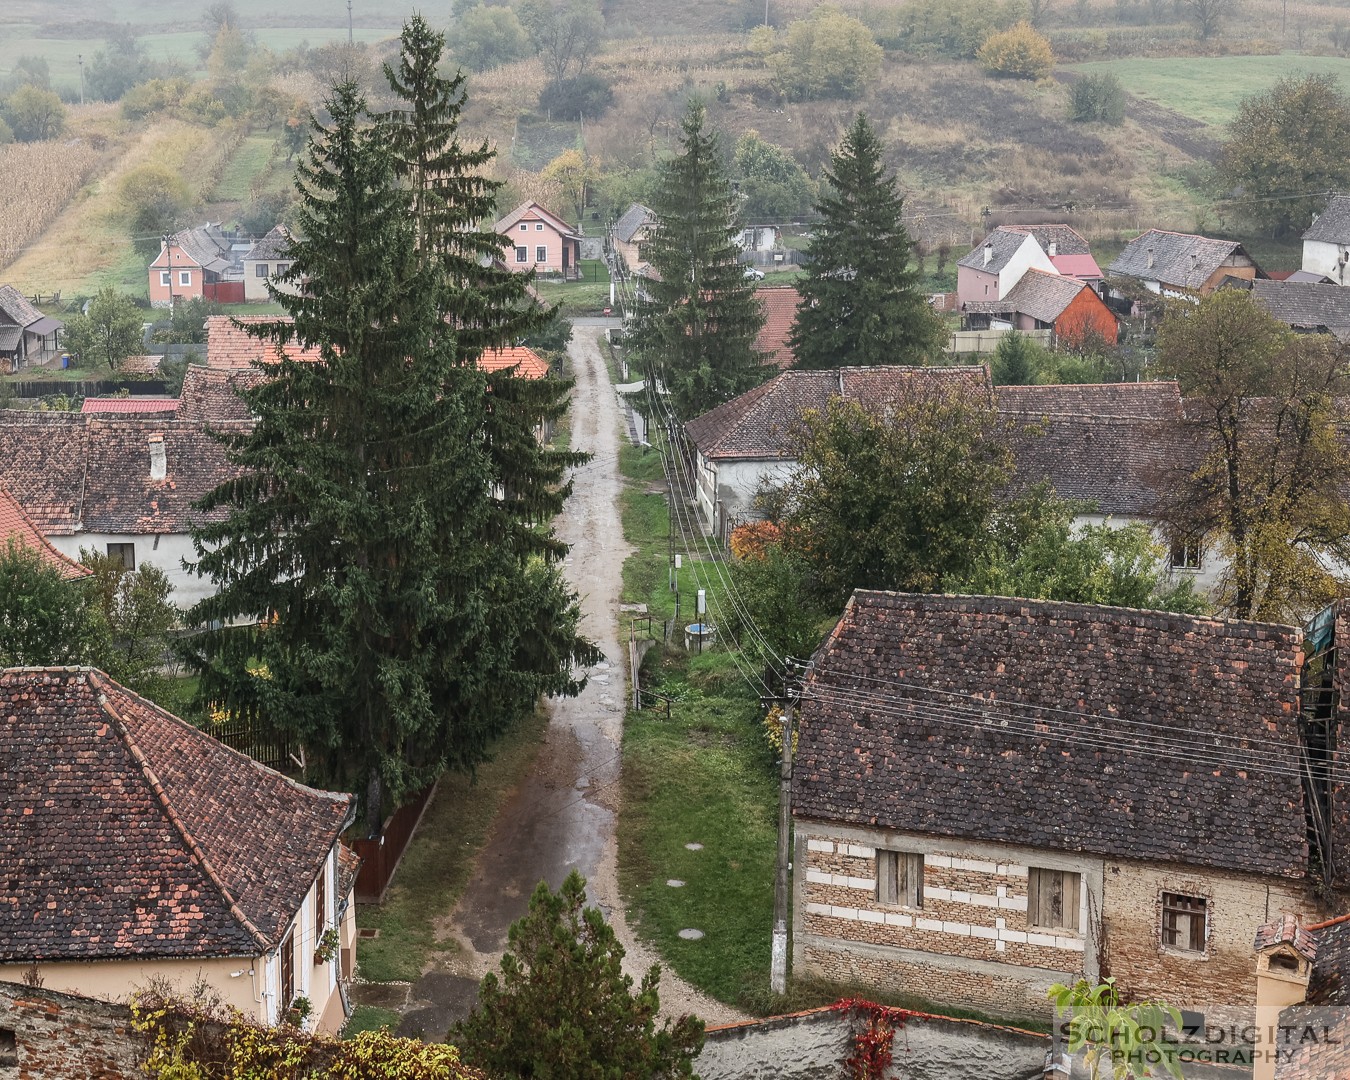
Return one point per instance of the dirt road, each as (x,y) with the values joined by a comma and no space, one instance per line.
(563,816)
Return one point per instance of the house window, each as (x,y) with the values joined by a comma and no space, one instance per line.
(288,970)
(260,270)
(123,553)
(1186,553)
(164,278)
(522,254)
(320,903)
(541,254)
(282,268)
(538,226)
(9,1048)
(1183,922)
(1052,899)
(524,226)
(900,878)
(184,277)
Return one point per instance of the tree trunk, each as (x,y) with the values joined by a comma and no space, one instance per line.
(374,803)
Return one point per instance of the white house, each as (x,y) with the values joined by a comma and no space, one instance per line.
(1326,242)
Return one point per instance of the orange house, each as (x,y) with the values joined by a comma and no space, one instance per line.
(1041,301)
(540,240)
(196,262)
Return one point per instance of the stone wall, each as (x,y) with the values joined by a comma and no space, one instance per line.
(61,1037)
(813,1046)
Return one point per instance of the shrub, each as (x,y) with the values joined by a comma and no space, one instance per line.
(35,114)
(1097,98)
(1018,52)
(829,55)
(583,95)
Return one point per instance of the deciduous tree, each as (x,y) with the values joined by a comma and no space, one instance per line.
(1208,15)
(35,114)
(1261,475)
(1097,98)
(120,64)
(109,332)
(698,324)
(827,55)
(565,33)
(45,619)
(562,1006)
(773,186)
(861,302)
(138,614)
(1278,160)
(487,37)
(1020,52)
(573,172)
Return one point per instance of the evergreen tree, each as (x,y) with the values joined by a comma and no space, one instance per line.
(698,325)
(1016,361)
(398,634)
(861,303)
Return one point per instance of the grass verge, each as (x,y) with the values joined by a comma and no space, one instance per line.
(369,1018)
(438,862)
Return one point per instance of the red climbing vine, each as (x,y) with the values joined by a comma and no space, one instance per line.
(873,1037)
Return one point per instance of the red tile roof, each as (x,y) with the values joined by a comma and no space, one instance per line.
(1079,266)
(15,525)
(125,832)
(129,405)
(229,345)
(211,395)
(528,363)
(535,210)
(780,310)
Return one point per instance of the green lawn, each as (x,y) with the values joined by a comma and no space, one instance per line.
(251,160)
(1210,88)
(369,1018)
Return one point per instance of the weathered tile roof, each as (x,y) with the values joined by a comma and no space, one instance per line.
(1286,930)
(1067,240)
(1178,259)
(1064,727)
(205,245)
(125,832)
(77,472)
(1144,400)
(15,308)
(275,245)
(210,395)
(1306,306)
(1037,294)
(229,345)
(1332,225)
(1326,1012)
(760,423)
(129,405)
(16,526)
(1005,243)
(780,311)
(634,219)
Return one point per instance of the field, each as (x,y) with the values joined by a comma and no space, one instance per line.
(1209,88)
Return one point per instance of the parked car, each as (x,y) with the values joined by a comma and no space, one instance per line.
(753,274)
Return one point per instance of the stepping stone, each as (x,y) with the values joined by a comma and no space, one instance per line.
(694,847)
(690,934)
(675,883)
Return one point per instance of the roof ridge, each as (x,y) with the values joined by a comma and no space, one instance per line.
(8,496)
(94,678)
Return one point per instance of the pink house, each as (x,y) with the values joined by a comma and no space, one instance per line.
(193,263)
(539,240)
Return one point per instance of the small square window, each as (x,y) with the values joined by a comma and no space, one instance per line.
(1186,553)
(165,278)
(900,878)
(539,226)
(522,254)
(1053,899)
(524,226)
(541,254)
(184,277)
(260,270)
(1184,922)
(123,553)
(282,268)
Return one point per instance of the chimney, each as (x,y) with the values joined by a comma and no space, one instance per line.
(159,464)
(1150,258)
(1284,956)
(1053,249)
(988,252)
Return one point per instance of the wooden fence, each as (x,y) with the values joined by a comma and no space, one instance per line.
(986,341)
(380,855)
(224,292)
(36,388)
(251,735)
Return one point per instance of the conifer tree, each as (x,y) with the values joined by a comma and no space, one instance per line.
(861,304)
(397,633)
(697,328)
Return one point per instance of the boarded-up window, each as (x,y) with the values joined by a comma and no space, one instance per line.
(320,903)
(288,970)
(900,878)
(1183,922)
(1052,899)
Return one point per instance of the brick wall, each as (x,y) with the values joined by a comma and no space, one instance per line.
(971,942)
(62,1037)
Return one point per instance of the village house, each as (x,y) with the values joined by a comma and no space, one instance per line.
(1067,306)
(1326,242)
(18,529)
(995,266)
(991,795)
(264,263)
(26,335)
(1306,307)
(1182,265)
(628,234)
(194,263)
(137,847)
(539,240)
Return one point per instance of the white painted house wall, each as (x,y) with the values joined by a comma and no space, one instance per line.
(727,489)
(1323,257)
(165,551)
(1028,256)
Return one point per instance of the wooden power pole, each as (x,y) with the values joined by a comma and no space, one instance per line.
(778,963)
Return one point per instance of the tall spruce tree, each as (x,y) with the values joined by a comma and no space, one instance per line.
(861,303)
(698,325)
(398,633)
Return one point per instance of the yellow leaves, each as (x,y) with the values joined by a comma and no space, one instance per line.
(1019,51)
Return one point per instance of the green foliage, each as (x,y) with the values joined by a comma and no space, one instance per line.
(487,37)
(551,337)
(586,95)
(1017,361)
(902,502)
(775,591)
(827,55)
(562,1005)
(698,324)
(1097,98)
(34,114)
(187,321)
(573,173)
(1207,15)
(1263,482)
(155,200)
(1278,161)
(951,28)
(27,70)
(155,96)
(564,33)
(861,298)
(110,331)
(136,609)
(1125,1040)
(120,65)
(1019,52)
(773,186)
(44,619)
(617,190)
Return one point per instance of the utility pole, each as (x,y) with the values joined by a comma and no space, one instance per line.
(79,59)
(349,22)
(778,963)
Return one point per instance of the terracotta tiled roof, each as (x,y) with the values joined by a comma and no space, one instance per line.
(15,526)
(1286,931)
(140,365)
(74,472)
(129,405)
(760,423)
(1144,400)
(228,345)
(125,832)
(527,363)
(1178,259)
(780,311)
(1037,294)
(211,395)
(1327,1012)
(1332,225)
(1037,723)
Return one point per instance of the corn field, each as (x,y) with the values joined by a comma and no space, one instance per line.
(40,179)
